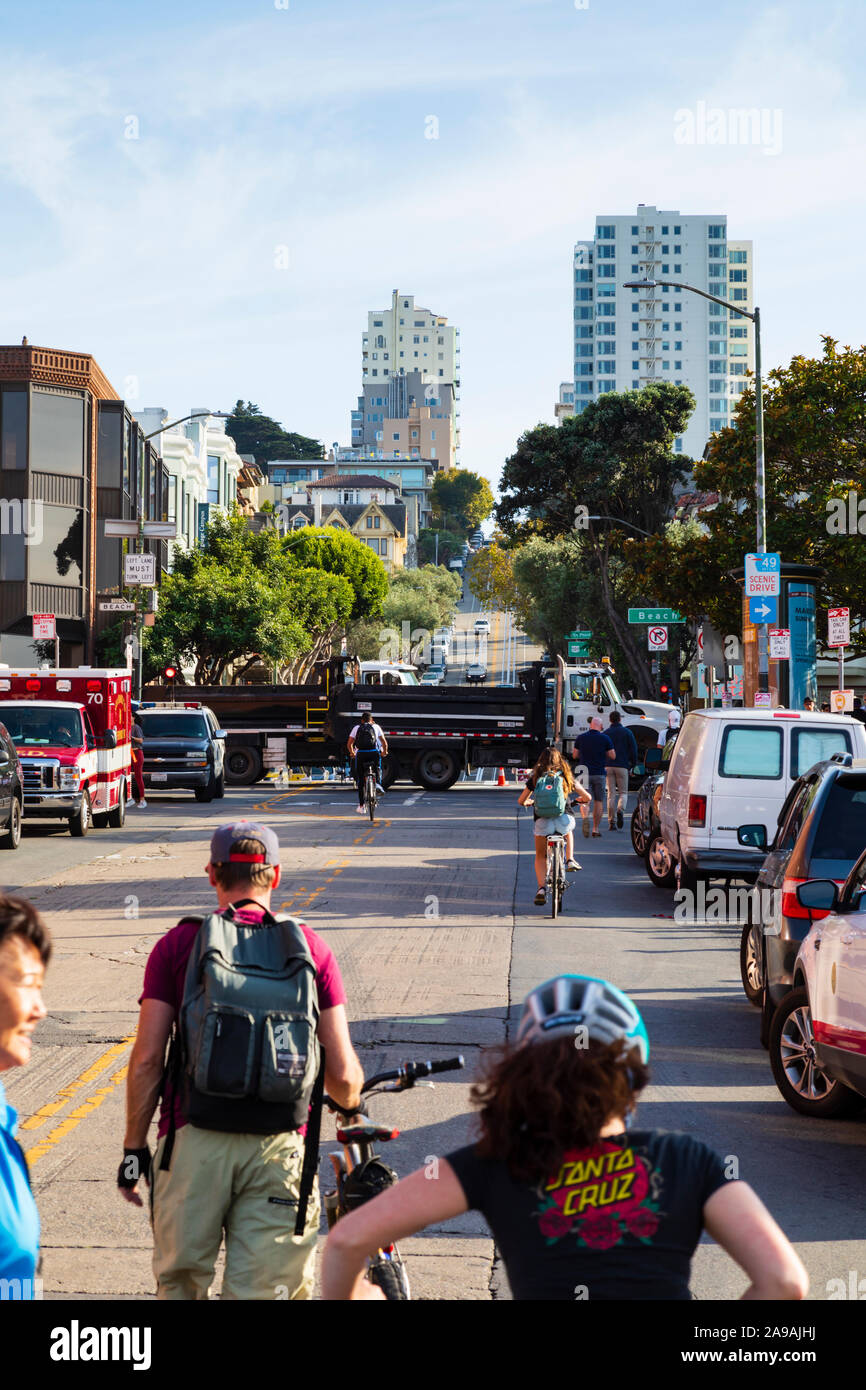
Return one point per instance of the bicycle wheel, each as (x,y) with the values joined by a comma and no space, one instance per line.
(390,1275)
(370,795)
(555,879)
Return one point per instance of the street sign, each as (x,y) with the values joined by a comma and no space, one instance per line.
(841,701)
(838,627)
(763,609)
(780,644)
(582,636)
(657,639)
(578,649)
(139,569)
(654,615)
(44,627)
(763,575)
(117,605)
(763,699)
(701,642)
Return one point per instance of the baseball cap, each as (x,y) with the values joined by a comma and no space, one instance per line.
(226,837)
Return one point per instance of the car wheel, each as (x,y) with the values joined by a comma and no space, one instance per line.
(638,838)
(206,793)
(12,838)
(117,817)
(80,824)
(660,864)
(751,963)
(220,789)
(802,1083)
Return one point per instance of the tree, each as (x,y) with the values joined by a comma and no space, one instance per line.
(815,445)
(424,598)
(614,460)
(338,552)
(490,575)
(461,497)
(438,547)
(255,433)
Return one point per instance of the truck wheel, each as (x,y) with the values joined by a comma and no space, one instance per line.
(206,793)
(117,817)
(12,838)
(80,824)
(243,766)
(438,769)
(220,789)
(390,771)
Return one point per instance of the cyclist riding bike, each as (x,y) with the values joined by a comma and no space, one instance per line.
(366,744)
(580,1205)
(551,764)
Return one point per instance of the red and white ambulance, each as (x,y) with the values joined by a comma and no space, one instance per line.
(71,728)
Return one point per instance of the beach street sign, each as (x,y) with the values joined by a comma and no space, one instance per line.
(654,615)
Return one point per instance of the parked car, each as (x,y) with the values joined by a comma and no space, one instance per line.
(732,766)
(11,792)
(183,748)
(476,674)
(434,675)
(818,1036)
(645,829)
(820,833)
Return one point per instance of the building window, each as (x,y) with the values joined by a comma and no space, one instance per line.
(383,547)
(606,232)
(213,479)
(716,231)
(13,428)
(374,545)
(635,231)
(635,366)
(737,277)
(58,559)
(172,498)
(56,432)
(739,294)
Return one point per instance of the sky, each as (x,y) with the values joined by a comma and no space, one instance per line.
(209,197)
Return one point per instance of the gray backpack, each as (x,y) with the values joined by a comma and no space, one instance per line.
(248,1060)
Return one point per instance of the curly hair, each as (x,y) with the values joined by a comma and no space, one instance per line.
(551,760)
(539,1100)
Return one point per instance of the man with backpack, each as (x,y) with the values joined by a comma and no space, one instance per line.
(366,744)
(257,1008)
(594,751)
(625,748)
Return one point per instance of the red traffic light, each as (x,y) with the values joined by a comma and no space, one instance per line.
(664,689)
(170,673)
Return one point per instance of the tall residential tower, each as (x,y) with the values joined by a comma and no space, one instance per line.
(625,339)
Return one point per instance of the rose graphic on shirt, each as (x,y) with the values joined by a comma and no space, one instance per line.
(600,1195)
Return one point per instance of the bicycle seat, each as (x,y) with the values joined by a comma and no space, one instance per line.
(361,1134)
(556,839)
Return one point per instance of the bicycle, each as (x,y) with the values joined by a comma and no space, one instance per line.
(555,881)
(361,1174)
(370,793)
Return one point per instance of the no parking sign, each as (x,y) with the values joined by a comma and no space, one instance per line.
(657,639)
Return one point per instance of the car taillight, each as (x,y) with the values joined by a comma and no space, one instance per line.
(792,908)
(697,810)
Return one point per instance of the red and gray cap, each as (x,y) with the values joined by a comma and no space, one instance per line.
(222,846)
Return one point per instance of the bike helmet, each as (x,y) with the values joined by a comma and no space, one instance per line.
(557,1007)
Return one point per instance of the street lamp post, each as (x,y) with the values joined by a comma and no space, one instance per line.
(760,478)
(619,521)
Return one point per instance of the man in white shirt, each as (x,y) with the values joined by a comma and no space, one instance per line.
(366,744)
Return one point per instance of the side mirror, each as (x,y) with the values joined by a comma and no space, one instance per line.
(109,739)
(820,894)
(219,733)
(652,757)
(752,836)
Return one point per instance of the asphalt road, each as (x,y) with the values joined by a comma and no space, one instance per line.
(430,914)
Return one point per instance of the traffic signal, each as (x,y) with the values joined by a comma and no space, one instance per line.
(665,690)
(170,672)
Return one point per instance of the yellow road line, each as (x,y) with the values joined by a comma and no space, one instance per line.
(66,1093)
(74,1118)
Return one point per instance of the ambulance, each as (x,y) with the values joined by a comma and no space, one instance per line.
(71,728)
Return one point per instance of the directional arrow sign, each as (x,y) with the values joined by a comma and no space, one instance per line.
(764,610)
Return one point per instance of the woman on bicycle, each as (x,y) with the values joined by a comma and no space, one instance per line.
(551,761)
(580,1204)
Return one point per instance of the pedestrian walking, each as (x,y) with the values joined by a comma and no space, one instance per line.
(594,751)
(231,1157)
(580,1203)
(625,748)
(674,720)
(136,740)
(25,949)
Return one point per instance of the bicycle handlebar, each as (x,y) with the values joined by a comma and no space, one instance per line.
(404,1078)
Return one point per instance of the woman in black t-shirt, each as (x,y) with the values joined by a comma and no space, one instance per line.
(581,1205)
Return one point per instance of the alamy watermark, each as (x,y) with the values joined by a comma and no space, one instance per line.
(846,516)
(733,125)
(729,905)
(22,517)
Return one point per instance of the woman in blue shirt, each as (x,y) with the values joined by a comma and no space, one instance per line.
(25,948)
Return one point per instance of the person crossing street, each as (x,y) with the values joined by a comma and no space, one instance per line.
(625,748)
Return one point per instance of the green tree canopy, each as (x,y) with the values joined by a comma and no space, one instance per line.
(255,433)
(461,499)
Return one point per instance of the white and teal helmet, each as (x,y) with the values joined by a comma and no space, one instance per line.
(566,1002)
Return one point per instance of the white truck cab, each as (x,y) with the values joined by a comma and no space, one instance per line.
(388,673)
(590,689)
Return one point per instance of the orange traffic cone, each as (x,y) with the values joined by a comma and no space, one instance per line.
(500,781)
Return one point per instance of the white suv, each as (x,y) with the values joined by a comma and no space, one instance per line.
(481,625)
(818,1033)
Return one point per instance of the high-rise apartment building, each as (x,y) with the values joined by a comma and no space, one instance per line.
(626,338)
(406,341)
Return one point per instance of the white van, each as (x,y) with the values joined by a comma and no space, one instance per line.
(733,767)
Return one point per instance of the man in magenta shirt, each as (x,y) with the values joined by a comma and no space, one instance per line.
(242,1186)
